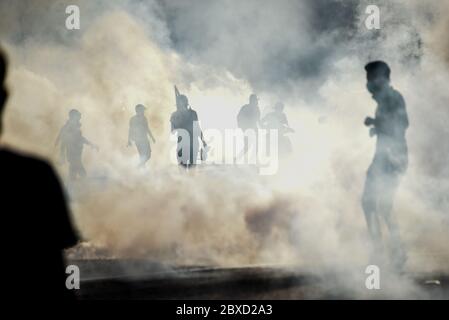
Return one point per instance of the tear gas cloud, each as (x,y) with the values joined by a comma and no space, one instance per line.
(308,54)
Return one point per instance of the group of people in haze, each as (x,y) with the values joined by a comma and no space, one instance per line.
(71,140)
(249,118)
(35,178)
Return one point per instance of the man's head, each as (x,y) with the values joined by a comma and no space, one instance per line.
(140,109)
(253,100)
(3,91)
(183,102)
(74,115)
(279,107)
(378,76)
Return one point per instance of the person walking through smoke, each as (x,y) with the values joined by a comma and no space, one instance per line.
(248,118)
(184,122)
(72,143)
(390,160)
(33,207)
(277,120)
(138,133)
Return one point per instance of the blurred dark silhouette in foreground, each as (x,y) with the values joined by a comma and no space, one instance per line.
(34,212)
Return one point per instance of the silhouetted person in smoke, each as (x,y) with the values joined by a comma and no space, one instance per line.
(248,118)
(390,160)
(138,133)
(72,143)
(184,121)
(36,225)
(277,120)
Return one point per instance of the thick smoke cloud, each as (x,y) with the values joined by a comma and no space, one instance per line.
(274,45)
(310,54)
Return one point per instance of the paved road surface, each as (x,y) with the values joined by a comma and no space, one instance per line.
(140,279)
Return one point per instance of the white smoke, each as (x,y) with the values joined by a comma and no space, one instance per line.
(218,53)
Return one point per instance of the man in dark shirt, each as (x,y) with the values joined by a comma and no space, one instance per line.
(184,121)
(248,118)
(72,144)
(390,160)
(37,226)
(138,133)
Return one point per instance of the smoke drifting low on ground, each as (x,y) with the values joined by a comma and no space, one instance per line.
(308,54)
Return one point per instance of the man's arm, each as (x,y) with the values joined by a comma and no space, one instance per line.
(58,138)
(130,133)
(240,116)
(149,131)
(195,119)
(172,123)
(401,113)
(392,116)
(285,120)
(202,138)
(90,144)
(264,121)
(258,116)
(63,147)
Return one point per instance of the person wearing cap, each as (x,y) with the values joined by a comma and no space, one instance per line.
(139,131)
(390,160)
(248,118)
(72,143)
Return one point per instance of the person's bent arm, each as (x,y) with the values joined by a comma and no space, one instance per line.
(129,134)
(90,144)
(151,135)
(58,138)
(149,132)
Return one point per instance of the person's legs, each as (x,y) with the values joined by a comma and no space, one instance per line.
(76,169)
(74,157)
(72,171)
(143,147)
(369,205)
(193,155)
(81,170)
(245,149)
(256,143)
(250,143)
(385,206)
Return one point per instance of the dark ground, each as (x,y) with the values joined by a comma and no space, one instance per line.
(141,279)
